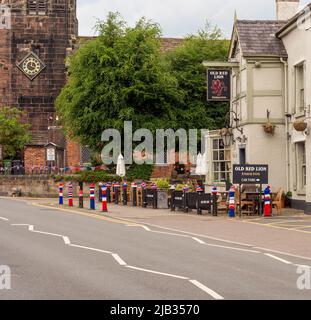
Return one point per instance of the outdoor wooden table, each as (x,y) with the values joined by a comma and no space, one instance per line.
(255,196)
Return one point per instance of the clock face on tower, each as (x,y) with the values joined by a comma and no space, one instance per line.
(31,66)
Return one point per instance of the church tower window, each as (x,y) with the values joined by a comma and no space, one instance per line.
(37,7)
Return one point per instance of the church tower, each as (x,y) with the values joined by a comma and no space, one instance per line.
(36,36)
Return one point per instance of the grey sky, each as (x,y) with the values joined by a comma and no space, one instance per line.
(177,17)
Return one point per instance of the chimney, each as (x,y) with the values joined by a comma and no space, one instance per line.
(286,9)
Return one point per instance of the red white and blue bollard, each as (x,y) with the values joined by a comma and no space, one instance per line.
(70,194)
(92,196)
(232,202)
(199,189)
(267,207)
(61,194)
(104,198)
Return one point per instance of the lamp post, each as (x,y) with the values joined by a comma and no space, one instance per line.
(227,136)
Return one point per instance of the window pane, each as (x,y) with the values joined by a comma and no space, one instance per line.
(215,156)
(216,166)
(221,155)
(215,144)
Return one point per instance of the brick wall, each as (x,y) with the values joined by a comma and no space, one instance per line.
(34,156)
(73,153)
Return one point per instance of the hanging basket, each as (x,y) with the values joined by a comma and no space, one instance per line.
(269,128)
(300,125)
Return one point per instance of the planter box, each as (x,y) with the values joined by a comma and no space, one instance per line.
(162,199)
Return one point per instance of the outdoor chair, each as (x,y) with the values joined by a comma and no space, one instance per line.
(277,201)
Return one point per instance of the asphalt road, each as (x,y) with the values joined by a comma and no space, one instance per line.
(60,255)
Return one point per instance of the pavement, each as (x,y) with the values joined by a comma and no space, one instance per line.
(135,253)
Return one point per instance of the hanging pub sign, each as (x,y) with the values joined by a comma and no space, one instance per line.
(219,85)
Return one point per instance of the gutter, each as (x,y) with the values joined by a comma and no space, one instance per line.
(286,124)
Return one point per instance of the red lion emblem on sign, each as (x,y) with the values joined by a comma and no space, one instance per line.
(218,87)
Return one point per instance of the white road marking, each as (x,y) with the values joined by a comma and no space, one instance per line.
(171,234)
(283,253)
(198,240)
(231,248)
(277,258)
(302,266)
(89,248)
(118,259)
(4,219)
(209,291)
(157,272)
(66,240)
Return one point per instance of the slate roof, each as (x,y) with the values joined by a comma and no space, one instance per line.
(257,38)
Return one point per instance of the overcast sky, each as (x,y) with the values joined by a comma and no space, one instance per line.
(176,17)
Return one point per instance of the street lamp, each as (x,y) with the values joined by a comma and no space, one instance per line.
(227,136)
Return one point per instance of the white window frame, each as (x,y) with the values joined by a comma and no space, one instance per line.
(301,178)
(299,95)
(219,162)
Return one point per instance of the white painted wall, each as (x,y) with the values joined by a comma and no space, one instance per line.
(298,46)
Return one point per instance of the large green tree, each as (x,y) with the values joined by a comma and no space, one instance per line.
(119,77)
(13,134)
(186,65)
(123,75)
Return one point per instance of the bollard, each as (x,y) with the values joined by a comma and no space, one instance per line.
(134,194)
(185,204)
(155,196)
(109,192)
(231,212)
(92,196)
(144,194)
(199,190)
(81,205)
(61,194)
(172,191)
(116,193)
(124,196)
(214,200)
(104,198)
(100,192)
(70,194)
(267,208)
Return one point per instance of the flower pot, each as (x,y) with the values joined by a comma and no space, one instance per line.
(162,199)
(269,128)
(300,125)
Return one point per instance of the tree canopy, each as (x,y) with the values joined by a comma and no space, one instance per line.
(186,66)
(13,134)
(123,75)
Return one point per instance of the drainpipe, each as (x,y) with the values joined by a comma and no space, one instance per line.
(286,124)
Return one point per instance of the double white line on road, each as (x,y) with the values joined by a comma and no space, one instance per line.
(121,262)
(224,247)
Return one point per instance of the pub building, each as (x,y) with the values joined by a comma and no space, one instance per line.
(269,66)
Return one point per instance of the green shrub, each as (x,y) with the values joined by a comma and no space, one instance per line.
(136,171)
(163,184)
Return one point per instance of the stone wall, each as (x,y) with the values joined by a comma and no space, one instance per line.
(29,186)
(37,186)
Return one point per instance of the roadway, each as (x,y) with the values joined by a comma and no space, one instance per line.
(57,254)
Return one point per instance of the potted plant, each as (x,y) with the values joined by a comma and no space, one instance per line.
(288,199)
(269,127)
(300,125)
(163,188)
